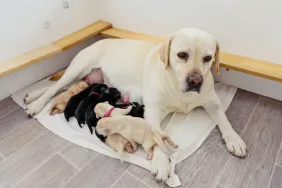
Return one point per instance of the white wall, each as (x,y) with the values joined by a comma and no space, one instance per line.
(23,27)
(246,27)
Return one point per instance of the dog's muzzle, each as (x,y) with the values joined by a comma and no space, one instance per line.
(194,82)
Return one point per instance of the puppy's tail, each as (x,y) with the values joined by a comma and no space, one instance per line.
(120,148)
(169,147)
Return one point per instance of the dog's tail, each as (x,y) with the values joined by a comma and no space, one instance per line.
(58,75)
(165,143)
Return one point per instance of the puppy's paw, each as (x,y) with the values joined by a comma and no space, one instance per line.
(128,148)
(160,166)
(235,144)
(34,107)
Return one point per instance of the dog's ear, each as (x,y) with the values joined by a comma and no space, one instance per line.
(165,51)
(216,59)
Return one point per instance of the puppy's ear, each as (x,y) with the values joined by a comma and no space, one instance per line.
(165,51)
(216,59)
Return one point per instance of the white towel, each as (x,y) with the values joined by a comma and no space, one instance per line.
(187,130)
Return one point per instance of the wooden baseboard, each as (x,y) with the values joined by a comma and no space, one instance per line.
(246,65)
(17,63)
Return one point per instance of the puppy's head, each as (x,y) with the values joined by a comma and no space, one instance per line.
(99,88)
(111,95)
(190,53)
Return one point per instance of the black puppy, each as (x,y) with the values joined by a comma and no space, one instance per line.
(112,95)
(137,110)
(93,97)
(75,100)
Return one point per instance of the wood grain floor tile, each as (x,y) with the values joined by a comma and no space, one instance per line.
(78,155)
(279,160)
(127,180)
(52,174)
(101,172)
(241,108)
(11,121)
(205,166)
(21,136)
(219,186)
(29,157)
(276,180)
(263,137)
(144,175)
(7,106)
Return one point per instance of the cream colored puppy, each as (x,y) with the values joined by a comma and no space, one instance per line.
(104,108)
(135,130)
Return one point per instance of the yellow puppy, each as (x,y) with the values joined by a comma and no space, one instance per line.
(135,130)
(60,102)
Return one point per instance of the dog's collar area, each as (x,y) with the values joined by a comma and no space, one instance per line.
(95,93)
(108,114)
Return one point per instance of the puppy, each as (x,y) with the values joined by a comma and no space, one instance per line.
(92,116)
(93,97)
(104,109)
(75,100)
(111,95)
(136,130)
(60,102)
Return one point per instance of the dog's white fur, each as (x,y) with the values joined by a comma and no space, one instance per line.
(155,74)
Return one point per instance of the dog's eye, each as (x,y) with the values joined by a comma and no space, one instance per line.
(207,58)
(183,55)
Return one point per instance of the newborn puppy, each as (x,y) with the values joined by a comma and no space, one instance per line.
(136,130)
(93,97)
(104,109)
(75,100)
(60,102)
(137,110)
(111,95)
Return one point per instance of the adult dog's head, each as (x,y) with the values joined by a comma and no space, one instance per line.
(190,53)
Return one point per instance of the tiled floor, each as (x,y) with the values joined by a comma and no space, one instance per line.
(33,157)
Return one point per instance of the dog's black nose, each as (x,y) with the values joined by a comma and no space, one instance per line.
(195,81)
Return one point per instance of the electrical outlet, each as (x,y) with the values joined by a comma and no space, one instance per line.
(47,25)
(65,5)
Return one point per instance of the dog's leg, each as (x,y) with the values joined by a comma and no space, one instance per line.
(160,165)
(78,68)
(234,142)
(32,96)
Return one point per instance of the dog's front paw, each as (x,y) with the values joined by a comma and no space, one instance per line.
(235,144)
(160,166)
(34,107)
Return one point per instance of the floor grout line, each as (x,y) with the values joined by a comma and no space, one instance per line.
(24,177)
(275,163)
(68,160)
(225,166)
(222,185)
(118,179)
(78,171)
(11,111)
(276,102)
(28,143)
(1,155)
(279,165)
(15,129)
(139,179)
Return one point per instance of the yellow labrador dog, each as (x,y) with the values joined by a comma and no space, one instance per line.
(171,77)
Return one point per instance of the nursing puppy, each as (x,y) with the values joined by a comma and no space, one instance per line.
(136,130)
(75,100)
(60,102)
(93,97)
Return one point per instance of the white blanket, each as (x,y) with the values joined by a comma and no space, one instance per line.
(187,130)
